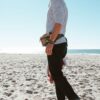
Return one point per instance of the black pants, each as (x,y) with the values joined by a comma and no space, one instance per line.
(63,88)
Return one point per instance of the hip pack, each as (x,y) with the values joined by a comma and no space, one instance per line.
(45,38)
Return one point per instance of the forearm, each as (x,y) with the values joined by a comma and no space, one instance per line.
(56,31)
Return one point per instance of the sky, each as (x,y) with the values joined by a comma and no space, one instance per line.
(22,22)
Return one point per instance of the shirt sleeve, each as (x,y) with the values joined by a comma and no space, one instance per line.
(58,13)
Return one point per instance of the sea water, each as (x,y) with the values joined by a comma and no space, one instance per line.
(84,51)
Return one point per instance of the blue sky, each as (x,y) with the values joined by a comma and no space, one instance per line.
(22,22)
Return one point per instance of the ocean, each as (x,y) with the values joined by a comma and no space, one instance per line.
(84,51)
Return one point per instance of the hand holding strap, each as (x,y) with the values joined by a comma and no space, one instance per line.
(45,39)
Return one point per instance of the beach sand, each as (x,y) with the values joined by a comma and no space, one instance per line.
(24,76)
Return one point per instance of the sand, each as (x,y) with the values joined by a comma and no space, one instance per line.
(24,76)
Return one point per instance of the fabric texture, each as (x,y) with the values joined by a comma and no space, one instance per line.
(57,13)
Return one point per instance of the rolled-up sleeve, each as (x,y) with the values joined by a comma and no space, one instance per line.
(58,13)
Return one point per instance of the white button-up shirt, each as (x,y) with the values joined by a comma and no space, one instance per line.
(57,13)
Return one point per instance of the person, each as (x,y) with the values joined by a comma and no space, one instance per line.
(56,51)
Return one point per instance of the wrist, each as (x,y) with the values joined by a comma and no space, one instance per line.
(51,41)
(54,37)
(49,44)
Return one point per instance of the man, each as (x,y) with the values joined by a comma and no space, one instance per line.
(56,51)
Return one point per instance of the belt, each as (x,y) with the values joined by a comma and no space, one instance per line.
(59,36)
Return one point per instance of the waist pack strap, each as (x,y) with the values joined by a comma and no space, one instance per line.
(59,36)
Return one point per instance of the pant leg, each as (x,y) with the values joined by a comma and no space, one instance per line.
(62,86)
(60,95)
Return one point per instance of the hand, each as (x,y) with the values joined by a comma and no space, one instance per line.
(49,75)
(49,49)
